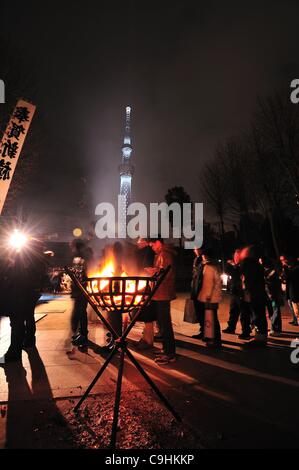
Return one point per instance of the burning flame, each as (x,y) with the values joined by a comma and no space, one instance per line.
(107,271)
(102,286)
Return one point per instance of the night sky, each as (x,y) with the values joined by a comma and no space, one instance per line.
(190,70)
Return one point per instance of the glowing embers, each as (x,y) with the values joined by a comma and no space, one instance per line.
(121,294)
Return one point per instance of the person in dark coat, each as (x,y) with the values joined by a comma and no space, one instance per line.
(56,281)
(294,289)
(145,254)
(236,294)
(287,263)
(116,321)
(254,293)
(79,324)
(146,257)
(197,276)
(274,296)
(25,273)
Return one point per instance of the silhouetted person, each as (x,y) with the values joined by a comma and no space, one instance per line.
(79,323)
(293,284)
(145,254)
(115,319)
(197,276)
(274,296)
(25,277)
(56,281)
(254,294)
(236,300)
(287,264)
(146,258)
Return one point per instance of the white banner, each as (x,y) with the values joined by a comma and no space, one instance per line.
(11,145)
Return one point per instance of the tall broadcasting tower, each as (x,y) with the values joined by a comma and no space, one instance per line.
(126,169)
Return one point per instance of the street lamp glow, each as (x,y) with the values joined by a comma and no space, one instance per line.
(77,232)
(18,240)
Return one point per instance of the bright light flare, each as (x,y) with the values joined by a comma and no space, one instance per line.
(18,240)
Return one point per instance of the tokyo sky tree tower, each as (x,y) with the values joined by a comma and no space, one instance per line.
(126,169)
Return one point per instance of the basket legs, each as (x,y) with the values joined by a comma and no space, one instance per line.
(123,351)
(101,371)
(117,399)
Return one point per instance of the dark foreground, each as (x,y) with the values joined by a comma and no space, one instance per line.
(232,398)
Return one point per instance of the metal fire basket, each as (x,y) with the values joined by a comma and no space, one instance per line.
(120,295)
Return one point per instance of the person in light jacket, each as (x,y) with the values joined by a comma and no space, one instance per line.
(210,294)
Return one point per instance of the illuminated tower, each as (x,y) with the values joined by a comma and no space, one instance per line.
(126,169)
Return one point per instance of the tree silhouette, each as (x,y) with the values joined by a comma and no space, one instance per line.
(252,181)
(178,195)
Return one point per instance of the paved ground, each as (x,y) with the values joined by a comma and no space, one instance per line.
(234,398)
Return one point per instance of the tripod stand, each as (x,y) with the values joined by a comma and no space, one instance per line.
(115,297)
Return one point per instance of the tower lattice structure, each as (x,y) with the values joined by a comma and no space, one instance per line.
(126,169)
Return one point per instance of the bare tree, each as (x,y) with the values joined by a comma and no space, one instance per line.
(177,194)
(255,177)
(214,188)
(278,121)
(266,181)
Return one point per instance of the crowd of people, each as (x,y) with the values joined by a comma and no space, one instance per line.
(257,287)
